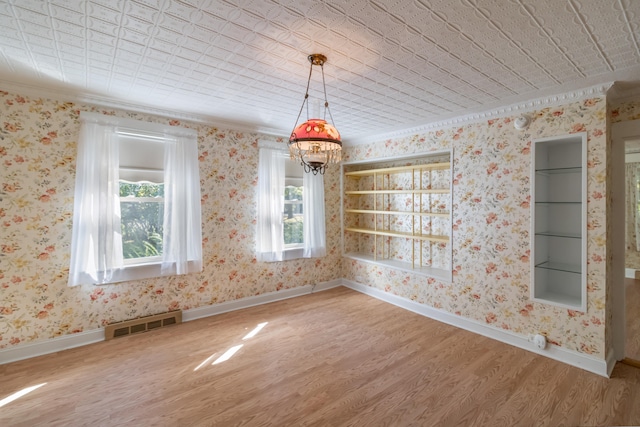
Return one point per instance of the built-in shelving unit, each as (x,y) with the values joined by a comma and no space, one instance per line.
(559,221)
(397,213)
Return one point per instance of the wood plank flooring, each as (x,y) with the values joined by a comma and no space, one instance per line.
(333,358)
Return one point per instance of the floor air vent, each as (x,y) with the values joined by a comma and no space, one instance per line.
(142,324)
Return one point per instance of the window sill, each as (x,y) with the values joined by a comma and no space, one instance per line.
(292,253)
(142,271)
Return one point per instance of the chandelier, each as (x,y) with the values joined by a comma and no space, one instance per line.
(315,143)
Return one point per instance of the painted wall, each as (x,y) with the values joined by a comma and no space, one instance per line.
(37,176)
(491,226)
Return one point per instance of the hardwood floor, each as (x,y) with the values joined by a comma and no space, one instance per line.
(632,316)
(334,358)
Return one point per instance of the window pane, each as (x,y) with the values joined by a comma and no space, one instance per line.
(142,211)
(292,218)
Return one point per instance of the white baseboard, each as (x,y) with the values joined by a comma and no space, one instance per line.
(54,345)
(630,273)
(224,307)
(597,366)
(588,363)
(611,361)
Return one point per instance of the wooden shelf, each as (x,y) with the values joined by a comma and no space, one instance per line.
(367,211)
(435,191)
(426,237)
(399,169)
(378,199)
(438,273)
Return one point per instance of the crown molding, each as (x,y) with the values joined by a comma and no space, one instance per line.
(509,110)
(107,102)
(618,91)
(624,91)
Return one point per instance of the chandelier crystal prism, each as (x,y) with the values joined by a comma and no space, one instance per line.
(315,143)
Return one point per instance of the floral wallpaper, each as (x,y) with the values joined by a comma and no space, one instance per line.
(624,111)
(491,226)
(490,230)
(38,150)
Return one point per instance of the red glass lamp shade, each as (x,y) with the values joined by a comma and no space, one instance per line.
(315,143)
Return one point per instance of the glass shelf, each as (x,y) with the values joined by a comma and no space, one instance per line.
(563,234)
(555,171)
(560,266)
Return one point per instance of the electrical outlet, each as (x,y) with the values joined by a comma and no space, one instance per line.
(540,341)
(360,279)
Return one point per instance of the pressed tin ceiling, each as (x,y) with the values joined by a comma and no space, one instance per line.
(392,65)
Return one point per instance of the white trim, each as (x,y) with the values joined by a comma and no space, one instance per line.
(412,156)
(105,102)
(534,292)
(509,110)
(573,358)
(591,364)
(224,307)
(623,91)
(139,128)
(611,361)
(274,145)
(53,345)
(66,342)
(512,109)
(620,133)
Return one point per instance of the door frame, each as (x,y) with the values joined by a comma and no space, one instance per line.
(620,133)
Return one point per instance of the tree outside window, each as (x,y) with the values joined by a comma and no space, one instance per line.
(293,216)
(142,210)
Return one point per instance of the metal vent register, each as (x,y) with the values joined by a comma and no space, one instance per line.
(142,324)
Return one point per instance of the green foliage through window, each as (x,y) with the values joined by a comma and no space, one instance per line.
(293,232)
(142,211)
(292,218)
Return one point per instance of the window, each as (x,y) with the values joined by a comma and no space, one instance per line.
(141,193)
(293,218)
(137,202)
(141,221)
(290,220)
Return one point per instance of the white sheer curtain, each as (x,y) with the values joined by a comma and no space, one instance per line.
(96,239)
(182,225)
(313,216)
(96,242)
(269,238)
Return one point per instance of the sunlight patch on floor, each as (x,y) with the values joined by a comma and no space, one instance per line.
(255,331)
(207,360)
(233,350)
(19,394)
(227,354)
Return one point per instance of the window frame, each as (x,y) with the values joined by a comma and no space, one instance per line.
(156,259)
(182,252)
(293,181)
(270,208)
